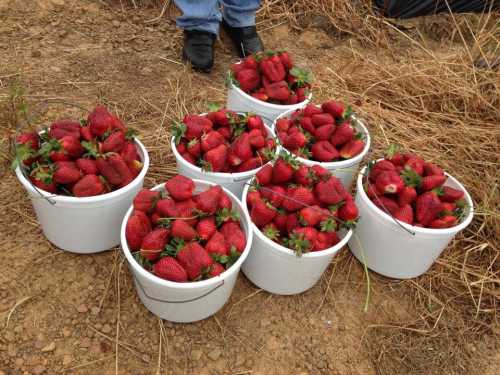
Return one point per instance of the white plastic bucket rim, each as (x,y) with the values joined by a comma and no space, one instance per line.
(55,198)
(333,164)
(192,284)
(411,228)
(286,251)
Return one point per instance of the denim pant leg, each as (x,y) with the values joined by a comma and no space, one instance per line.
(240,13)
(199,15)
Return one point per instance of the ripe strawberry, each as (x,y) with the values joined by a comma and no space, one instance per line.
(189,158)
(310,216)
(336,109)
(217,244)
(447,208)
(249,79)
(352,148)
(406,196)
(432,182)
(250,164)
(225,132)
(404,214)
(349,211)
(307,125)
(262,213)
(211,140)
(294,140)
(252,197)
(90,185)
(71,146)
(415,163)
(282,171)
(180,187)
(343,134)
(255,122)
(304,176)
(114,142)
(196,125)
(297,198)
(371,191)
(182,230)
(280,221)
(208,200)
(100,121)
(66,174)
(386,204)
(86,134)
(206,228)
(322,119)
(138,226)
(444,222)
(116,162)
(146,200)
(325,240)
(242,148)
(303,239)
(324,151)
(389,182)
(194,148)
(257,140)
(264,175)
(216,158)
(379,167)
(225,201)
(330,191)
(427,207)
(32,140)
(87,166)
(187,210)
(311,110)
(129,152)
(167,208)
(274,194)
(169,268)
(235,239)
(154,242)
(283,124)
(320,172)
(324,132)
(63,128)
(433,170)
(216,269)
(292,222)
(451,195)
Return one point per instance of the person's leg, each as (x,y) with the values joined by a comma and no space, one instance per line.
(200,21)
(239,22)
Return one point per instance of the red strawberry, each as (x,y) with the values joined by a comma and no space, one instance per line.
(250,164)
(180,188)
(406,196)
(208,201)
(114,142)
(304,176)
(196,125)
(255,122)
(280,221)
(432,182)
(404,214)
(241,147)
(348,211)
(322,119)
(260,96)
(138,226)
(187,210)
(278,91)
(292,222)
(336,109)
(264,175)
(249,79)
(311,110)
(352,148)
(307,125)
(195,259)
(217,244)
(286,60)
(90,185)
(169,268)
(100,121)
(66,174)
(189,158)
(451,195)
(447,208)
(330,191)
(211,140)
(415,163)
(371,191)
(257,140)
(116,162)
(225,132)
(236,239)
(427,208)
(294,141)
(324,132)
(389,182)
(433,170)
(216,269)
(297,198)
(274,194)
(206,228)
(129,152)
(386,204)
(379,167)
(154,242)
(32,140)
(167,208)
(324,151)
(283,124)
(320,172)
(444,222)
(63,128)
(282,172)
(262,213)
(146,200)
(310,216)
(343,134)
(325,240)
(225,201)
(86,134)
(183,230)
(87,166)
(216,158)
(308,234)
(72,146)
(252,197)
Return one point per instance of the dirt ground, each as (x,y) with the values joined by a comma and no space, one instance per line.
(80,314)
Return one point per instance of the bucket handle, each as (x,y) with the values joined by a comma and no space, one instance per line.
(185,301)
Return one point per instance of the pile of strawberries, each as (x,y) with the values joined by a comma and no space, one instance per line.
(300,207)
(184,236)
(82,159)
(412,191)
(224,141)
(323,133)
(271,77)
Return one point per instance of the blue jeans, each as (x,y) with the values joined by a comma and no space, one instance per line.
(205,14)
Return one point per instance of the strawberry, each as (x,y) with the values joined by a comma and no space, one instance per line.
(183,230)
(257,140)
(324,132)
(271,231)
(100,121)
(260,96)
(90,185)
(451,195)
(167,208)
(444,222)
(250,62)
(322,119)
(252,197)
(324,151)
(248,79)
(217,244)
(303,239)
(406,196)
(87,166)
(86,134)
(278,91)
(336,109)
(307,125)
(262,213)
(72,146)
(196,125)
(129,152)
(208,200)
(255,122)
(114,142)
(325,240)
(427,208)
(431,169)
(286,60)
(282,171)
(310,216)
(180,187)
(320,172)
(283,124)
(273,69)
(225,201)
(349,211)
(169,268)
(216,269)
(274,194)
(330,191)
(432,182)
(447,208)
(63,128)
(295,140)
(404,214)
(225,132)
(66,174)
(105,169)
(297,198)
(386,204)
(189,158)
(216,158)
(342,134)
(187,210)
(195,259)
(32,140)
(235,238)
(389,182)
(242,148)
(138,226)
(146,200)
(250,164)
(415,163)
(311,110)
(280,221)
(206,228)
(379,167)
(154,242)
(211,140)
(44,185)
(372,192)
(304,176)
(352,148)
(264,175)
(116,162)
(292,222)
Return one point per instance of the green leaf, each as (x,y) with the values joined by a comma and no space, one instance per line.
(391,150)
(233,257)
(411,178)
(83,122)
(130,134)
(303,76)
(213,107)
(91,149)
(348,112)
(144,263)
(328,225)
(23,152)
(178,129)
(173,247)
(226,214)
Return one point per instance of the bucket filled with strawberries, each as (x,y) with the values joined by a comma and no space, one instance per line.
(81,177)
(410,210)
(301,217)
(329,135)
(185,241)
(268,84)
(223,147)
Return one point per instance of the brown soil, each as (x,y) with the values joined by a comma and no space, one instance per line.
(80,314)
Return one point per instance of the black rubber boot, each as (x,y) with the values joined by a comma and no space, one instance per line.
(245,39)
(199,49)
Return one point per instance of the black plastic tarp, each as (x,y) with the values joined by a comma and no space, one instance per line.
(415,8)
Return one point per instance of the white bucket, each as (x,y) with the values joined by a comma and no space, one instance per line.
(344,170)
(234,182)
(89,224)
(392,251)
(191,301)
(278,270)
(239,101)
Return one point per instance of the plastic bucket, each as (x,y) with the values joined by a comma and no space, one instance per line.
(192,301)
(240,101)
(344,170)
(234,182)
(278,270)
(392,251)
(85,225)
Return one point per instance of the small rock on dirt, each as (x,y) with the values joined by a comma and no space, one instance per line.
(38,369)
(49,348)
(66,332)
(214,354)
(82,308)
(196,355)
